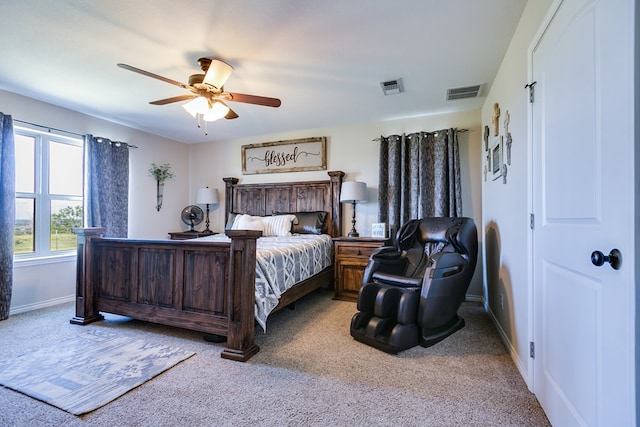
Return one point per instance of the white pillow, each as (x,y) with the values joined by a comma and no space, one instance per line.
(248,222)
(278,225)
(236,220)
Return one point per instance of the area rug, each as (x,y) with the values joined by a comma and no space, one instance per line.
(87,372)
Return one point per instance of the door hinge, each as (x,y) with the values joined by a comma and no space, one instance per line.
(532,221)
(532,350)
(531,91)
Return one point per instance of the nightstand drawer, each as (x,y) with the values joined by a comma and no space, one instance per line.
(355,250)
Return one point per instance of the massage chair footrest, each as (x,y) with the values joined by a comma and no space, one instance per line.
(384,334)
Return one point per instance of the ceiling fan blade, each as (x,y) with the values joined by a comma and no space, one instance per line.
(174,99)
(155,76)
(218,73)
(231,115)
(253,99)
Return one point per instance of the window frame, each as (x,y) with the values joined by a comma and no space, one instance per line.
(41,196)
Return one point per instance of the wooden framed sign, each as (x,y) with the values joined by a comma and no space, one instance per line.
(306,154)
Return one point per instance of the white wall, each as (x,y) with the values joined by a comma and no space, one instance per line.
(35,286)
(506,207)
(352,150)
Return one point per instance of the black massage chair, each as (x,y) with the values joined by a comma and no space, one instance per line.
(411,292)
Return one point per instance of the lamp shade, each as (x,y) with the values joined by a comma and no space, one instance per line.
(207,196)
(353,191)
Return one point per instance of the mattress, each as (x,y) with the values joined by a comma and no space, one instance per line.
(281,263)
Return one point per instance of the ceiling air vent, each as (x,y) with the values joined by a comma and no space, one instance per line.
(464,92)
(392,87)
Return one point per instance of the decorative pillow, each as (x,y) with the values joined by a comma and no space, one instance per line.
(278,225)
(310,223)
(248,222)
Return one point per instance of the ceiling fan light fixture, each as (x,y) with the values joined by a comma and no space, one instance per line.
(217,73)
(217,111)
(196,106)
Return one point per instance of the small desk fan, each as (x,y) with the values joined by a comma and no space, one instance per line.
(192,215)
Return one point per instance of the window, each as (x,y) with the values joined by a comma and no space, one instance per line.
(49,187)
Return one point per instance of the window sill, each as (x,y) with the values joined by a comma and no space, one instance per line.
(43,260)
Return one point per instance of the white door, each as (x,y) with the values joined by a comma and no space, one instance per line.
(582,136)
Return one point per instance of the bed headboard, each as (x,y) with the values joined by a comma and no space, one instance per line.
(300,196)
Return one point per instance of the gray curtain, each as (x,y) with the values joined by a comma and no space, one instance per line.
(419,177)
(7,211)
(106,185)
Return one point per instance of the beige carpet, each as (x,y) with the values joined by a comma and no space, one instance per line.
(309,372)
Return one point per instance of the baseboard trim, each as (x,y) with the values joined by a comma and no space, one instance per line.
(510,349)
(41,304)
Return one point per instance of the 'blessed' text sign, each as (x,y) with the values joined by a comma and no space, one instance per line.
(307,154)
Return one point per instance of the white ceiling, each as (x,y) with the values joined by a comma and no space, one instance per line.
(324,59)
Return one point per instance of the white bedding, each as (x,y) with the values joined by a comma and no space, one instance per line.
(281,263)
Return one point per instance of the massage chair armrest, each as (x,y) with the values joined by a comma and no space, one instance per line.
(386,259)
(446,264)
(396,280)
(386,254)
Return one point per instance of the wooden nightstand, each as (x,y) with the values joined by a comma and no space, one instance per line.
(351,255)
(186,235)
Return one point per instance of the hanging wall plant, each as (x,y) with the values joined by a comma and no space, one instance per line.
(161,173)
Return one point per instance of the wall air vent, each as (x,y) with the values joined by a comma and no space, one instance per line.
(464,92)
(392,87)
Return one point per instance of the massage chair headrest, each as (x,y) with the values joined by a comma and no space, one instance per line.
(457,231)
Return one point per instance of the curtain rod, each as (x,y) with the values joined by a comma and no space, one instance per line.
(71,133)
(430,133)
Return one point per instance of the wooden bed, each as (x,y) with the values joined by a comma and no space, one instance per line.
(202,286)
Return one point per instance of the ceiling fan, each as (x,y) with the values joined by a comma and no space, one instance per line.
(207,97)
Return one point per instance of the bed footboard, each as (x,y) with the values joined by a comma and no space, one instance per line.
(202,286)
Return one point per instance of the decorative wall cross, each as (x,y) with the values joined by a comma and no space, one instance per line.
(486,137)
(507,119)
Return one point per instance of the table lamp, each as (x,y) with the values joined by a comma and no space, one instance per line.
(353,192)
(207,196)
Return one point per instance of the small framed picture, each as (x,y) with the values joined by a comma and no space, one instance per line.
(496,159)
(379,229)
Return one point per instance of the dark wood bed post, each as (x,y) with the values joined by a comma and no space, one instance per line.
(228,197)
(241,296)
(336,214)
(85,307)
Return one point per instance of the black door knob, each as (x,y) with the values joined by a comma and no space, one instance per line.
(614,258)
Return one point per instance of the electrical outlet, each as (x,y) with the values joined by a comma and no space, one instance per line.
(501,302)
